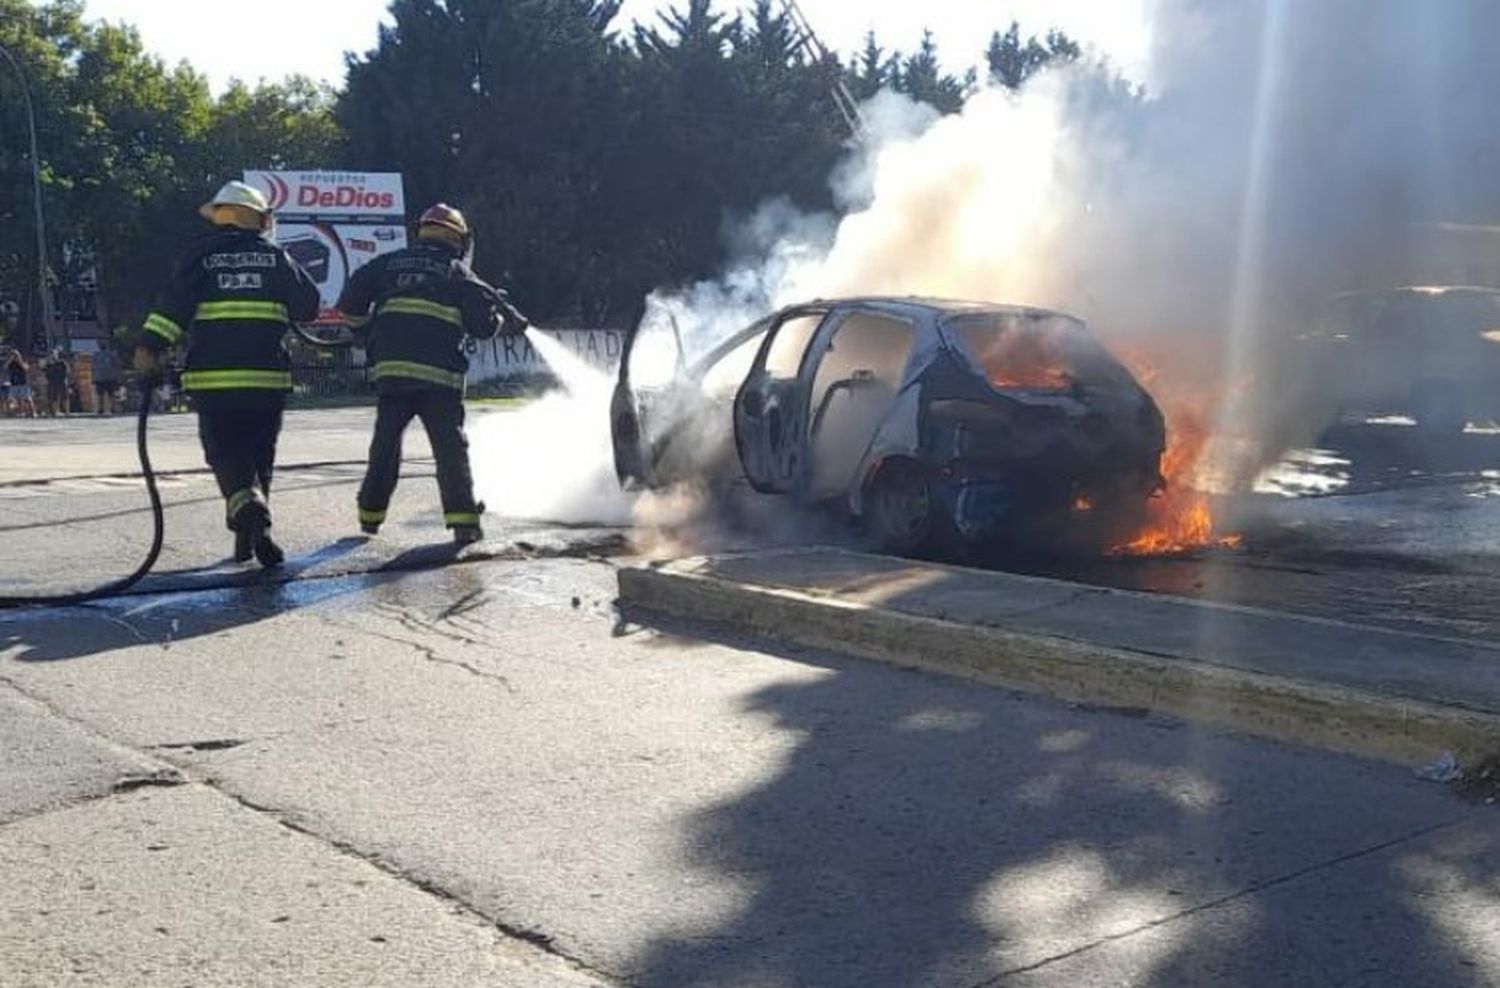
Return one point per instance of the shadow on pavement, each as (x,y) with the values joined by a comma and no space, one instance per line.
(946,835)
(185,604)
(423,557)
(226,575)
(176,606)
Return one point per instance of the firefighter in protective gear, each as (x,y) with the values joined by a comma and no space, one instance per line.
(416,309)
(229,303)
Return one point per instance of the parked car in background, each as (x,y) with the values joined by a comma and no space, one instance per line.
(1431,354)
(944,426)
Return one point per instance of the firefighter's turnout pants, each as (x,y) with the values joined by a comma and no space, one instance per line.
(442,413)
(228,304)
(240,447)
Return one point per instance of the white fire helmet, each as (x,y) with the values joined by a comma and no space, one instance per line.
(237,196)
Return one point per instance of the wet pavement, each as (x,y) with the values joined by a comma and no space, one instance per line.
(358,772)
(1379,524)
(66,524)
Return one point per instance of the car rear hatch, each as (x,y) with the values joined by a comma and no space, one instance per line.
(1055,394)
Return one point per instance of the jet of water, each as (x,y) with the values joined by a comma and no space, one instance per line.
(575,374)
(553,459)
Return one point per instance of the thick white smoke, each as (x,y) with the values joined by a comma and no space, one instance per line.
(551,460)
(1285,151)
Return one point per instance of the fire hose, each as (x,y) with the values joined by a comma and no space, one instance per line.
(158,520)
(149,385)
(113,588)
(158,515)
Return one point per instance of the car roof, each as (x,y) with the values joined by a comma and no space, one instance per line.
(914,304)
(1427,290)
(909,306)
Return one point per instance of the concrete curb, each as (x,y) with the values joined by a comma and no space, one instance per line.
(1297,711)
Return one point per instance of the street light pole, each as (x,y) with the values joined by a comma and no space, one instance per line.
(49,321)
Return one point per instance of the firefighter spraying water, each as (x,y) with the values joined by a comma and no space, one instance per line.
(416,309)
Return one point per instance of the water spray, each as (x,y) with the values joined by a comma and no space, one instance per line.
(551,461)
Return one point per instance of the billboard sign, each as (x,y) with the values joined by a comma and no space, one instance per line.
(333,223)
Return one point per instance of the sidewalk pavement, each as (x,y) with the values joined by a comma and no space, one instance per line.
(1347,687)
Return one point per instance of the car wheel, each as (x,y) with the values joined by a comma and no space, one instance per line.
(1439,409)
(901,511)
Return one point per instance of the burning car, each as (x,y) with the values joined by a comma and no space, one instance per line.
(942,425)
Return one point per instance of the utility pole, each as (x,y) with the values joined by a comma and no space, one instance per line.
(810,43)
(49,321)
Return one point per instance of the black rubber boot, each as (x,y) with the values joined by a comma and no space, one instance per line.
(254,528)
(268,553)
(467,534)
(243,547)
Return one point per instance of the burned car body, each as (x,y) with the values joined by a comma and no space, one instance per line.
(941,424)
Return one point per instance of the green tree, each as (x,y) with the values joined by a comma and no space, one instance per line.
(921,77)
(735,113)
(129,147)
(1011,62)
(42,40)
(510,109)
(594,168)
(872,69)
(279,126)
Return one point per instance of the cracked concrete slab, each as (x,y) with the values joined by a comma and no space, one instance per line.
(1357,689)
(47,762)
(185,886)
(677,812)
(1445,931)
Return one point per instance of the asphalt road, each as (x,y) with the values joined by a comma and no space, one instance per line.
(358,773)
(1378,525)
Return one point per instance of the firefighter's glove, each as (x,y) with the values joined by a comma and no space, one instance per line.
(512,323)
(146,364)
(512,329)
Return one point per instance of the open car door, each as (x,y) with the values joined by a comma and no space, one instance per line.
(650,367)
(770,410)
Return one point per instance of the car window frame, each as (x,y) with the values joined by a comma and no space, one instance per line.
(766,481)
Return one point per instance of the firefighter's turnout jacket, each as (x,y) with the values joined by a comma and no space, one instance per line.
(414,308)
(229,303)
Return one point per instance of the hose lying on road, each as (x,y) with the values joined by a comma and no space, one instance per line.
(158,520)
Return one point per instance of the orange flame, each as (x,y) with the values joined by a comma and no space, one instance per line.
(1024,360)
(1179,519)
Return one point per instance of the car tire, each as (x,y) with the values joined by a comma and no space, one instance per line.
(901,510)
(1439,409)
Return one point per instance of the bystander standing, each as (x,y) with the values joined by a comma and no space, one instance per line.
(106,380)
(17,374)
(56,371)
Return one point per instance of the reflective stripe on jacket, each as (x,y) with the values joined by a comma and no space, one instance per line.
(230,302)
(415,308)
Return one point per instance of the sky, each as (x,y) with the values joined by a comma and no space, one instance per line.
(311,36)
